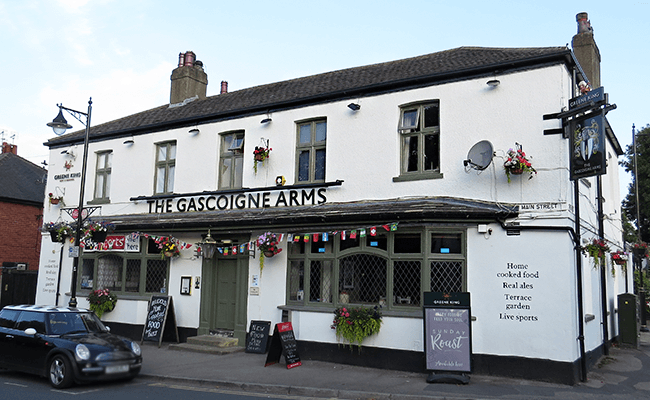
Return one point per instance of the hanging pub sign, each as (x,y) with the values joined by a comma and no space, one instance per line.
(447,336)
(588,146)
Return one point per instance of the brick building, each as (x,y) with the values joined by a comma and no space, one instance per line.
(22,191)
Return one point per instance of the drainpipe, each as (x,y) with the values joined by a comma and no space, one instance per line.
(581,322)
(603,272)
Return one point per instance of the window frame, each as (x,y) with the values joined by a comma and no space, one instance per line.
(105,172)
(233,156)
(420,132)
(145,255)
(312,147)
(167,164)
(425,257)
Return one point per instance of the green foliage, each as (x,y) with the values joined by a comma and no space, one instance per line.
(101,301)
(356,324)
(643,171)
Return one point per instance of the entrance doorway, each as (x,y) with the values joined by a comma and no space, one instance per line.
(224,296)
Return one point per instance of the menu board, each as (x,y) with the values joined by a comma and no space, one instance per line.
(258,337)
(161,308)
(447,332)
(283,342)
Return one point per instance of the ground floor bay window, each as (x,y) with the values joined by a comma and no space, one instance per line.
(391,269)
(128,273)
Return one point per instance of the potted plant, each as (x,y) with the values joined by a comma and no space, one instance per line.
(101,301)
(517,163)
(619,257)
(55,199)
(168,247)
(640,249)
(58,231)
(260,154)
(267,243)
(356,324)
(597,250)
(97,231)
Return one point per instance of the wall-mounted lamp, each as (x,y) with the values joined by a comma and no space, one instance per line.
(194,131)
(493,82)
(208,246)
(266,120)
(354,106)
(128,142)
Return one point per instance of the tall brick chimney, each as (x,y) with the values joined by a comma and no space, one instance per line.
(586,51)
(188,79)
(9,148)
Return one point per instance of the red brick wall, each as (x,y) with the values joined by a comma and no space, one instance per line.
(20,237)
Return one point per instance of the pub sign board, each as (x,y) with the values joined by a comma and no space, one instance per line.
(588,146)
(447,332)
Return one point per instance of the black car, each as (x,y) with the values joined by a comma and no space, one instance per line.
(65,344)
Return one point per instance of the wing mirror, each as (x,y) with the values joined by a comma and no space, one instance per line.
(30,331)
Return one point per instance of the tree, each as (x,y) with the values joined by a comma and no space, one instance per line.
(643,179)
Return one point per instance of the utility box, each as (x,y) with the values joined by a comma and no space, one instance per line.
(628,323)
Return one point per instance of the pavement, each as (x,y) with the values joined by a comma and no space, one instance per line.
(623,374)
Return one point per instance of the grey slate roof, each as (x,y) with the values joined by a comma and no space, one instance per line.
(430,69)
(418,210)
(21,181)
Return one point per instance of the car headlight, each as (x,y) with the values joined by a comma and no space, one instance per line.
(135,348)
(81,352)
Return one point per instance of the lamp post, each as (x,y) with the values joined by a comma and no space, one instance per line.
(59,125)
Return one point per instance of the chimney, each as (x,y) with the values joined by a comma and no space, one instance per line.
(586,51)
(188,79)
(224,87)
(9,148)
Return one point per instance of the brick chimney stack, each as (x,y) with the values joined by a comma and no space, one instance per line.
(586,51)
(188,79)
(9,148)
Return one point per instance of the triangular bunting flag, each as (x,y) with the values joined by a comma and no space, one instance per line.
(353,234)
(315,237)
(325,237)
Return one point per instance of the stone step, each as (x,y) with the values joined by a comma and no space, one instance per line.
(213,340)
(198,348)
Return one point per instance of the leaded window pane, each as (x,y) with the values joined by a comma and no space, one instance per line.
(303,166)
(156,279)
(109,272)
(406,282)
(363,278)
(296,280)
(87,273)
(446,276)
(133,267)
(321,275)
(319,168)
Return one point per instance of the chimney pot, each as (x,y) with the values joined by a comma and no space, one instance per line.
(189,58)
(584,25)
(9,148)
(224,87)
(181,59)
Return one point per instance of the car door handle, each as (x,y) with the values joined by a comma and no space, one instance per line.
(9,336)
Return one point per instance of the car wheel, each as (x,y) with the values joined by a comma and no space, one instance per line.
(60,372)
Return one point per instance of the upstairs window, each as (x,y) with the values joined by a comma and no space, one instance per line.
(231,160)
(419,129)
(103,176)
(311,148)
(165,167)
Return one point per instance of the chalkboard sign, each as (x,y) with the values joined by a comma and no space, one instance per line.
(258,337)
(161,309)
(447,332)
(283,342)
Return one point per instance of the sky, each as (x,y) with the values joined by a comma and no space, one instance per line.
(122,52)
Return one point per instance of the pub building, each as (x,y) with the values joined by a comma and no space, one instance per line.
(381,183)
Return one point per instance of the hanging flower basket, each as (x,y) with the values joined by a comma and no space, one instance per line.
(597,250)
(168,247)
(619,258)
(268,245)
(97,231)
(260,154)
(640,249)
(59,231)
(269,254)
(517,163)
(356,324)
(102,301)
(54,200)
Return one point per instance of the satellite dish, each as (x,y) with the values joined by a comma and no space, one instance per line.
(480,155)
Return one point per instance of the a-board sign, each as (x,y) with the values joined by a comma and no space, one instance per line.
(283,342)
(447,332)
(258,337)
(160,319)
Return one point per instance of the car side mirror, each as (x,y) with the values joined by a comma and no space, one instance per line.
(108,328)
(30,331)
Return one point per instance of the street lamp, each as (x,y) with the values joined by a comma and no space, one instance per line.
(59,125)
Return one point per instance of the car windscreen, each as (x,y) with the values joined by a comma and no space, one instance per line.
(72,322)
